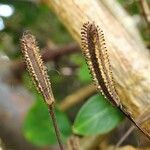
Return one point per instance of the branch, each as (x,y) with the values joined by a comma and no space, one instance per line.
(48,54)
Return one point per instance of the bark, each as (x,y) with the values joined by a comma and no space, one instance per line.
(129,58)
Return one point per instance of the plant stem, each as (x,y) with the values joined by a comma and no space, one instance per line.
(54,121)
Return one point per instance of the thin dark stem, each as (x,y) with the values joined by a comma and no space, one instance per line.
(57,131)
(144,117)
(124,137)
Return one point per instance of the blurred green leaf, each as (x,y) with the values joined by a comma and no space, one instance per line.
(83,71)
(131,6)
(38,127)
(27,81)
(77,58)
(84,74)
(97,116)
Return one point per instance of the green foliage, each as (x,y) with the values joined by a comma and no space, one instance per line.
(145,34)
(97,116)
(40,20)
(38,127)
(131,6)
(27,81)
(83,74)
(83,71)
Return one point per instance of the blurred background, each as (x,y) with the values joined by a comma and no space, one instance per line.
(24,119)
